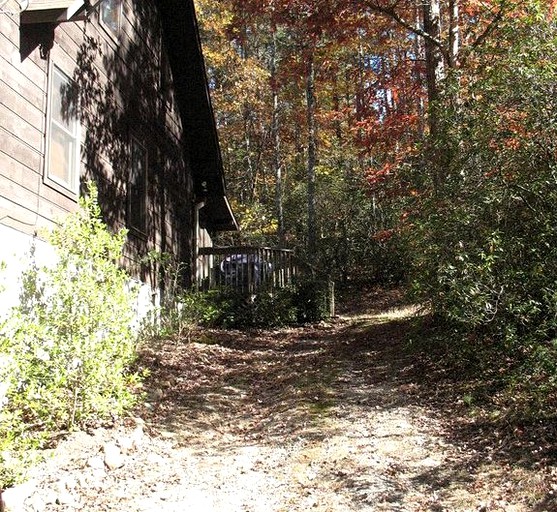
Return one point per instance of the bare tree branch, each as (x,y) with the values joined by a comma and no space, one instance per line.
(390,11)
(505,7)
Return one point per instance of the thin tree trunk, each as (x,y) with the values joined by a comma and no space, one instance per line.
(311,159)
(251,171)
(275,128)
(360,106)
(435,72)
(419,53)
(435,69)
(454,33)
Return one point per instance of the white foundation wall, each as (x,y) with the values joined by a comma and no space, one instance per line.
(18,250)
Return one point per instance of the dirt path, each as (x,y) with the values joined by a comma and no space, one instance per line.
(330,418)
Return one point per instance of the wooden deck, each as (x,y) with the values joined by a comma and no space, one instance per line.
(245,268)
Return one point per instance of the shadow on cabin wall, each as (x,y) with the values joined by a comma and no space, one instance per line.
(132,102)
(36,35)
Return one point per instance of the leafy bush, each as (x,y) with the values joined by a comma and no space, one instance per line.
(312,300)
(66,350)
(233,308)
(482,240)
(307,301)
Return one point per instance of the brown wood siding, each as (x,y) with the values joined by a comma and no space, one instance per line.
(10,25)
(119,84)
(21,132)
(19,127)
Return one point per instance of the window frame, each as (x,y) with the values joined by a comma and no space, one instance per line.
(115,35)
(134,226)
(69,188)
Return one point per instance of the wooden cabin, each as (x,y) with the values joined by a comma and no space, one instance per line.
(114,91)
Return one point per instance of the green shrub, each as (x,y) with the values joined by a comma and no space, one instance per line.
(66,350)
(200,308)
(482,240)
(307,301)
(312,300)
(234,308)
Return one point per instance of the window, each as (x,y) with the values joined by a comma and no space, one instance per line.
(111,16)
(137,188)
(63,158)
(167,92)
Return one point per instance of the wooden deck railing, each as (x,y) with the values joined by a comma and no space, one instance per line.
(245,268)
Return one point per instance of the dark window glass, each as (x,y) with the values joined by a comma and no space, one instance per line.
(138,187)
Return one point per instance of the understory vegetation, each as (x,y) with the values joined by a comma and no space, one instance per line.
(306,300)
(483,240)
(66,351)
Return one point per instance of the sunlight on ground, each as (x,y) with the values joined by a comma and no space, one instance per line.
(398,313)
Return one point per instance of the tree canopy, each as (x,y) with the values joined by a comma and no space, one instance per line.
(385,139)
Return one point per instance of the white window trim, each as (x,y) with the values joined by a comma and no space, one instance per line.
(70,189)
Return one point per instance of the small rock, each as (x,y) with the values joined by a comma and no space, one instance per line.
(138,435)
(96,463)
(65,498)
(49,496)
(12,499)
(113,457)
(126,444)
(37,504)
(158,394)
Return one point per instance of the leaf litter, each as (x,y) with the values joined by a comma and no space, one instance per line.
(332,417)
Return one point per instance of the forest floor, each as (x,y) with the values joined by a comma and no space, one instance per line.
(332,417)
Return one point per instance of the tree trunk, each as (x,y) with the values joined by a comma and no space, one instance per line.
(435,68)
(311,159)
(251,171)
(454,33)
(419,52)
(435,72)
(275,129)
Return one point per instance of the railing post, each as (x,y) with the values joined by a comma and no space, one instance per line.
(331,298)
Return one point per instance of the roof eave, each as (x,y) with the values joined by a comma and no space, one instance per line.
(183,44)
(54,11)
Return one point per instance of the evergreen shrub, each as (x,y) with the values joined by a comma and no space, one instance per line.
(312,300)
(482,240)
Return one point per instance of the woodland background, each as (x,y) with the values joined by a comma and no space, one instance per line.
(403,141)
